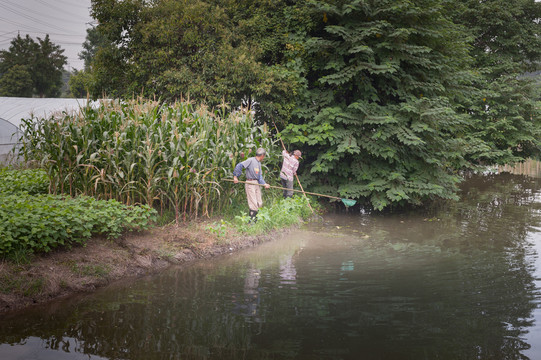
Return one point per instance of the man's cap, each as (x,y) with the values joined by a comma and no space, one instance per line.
(297,153)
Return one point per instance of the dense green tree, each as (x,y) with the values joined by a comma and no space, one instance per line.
(377,115)
(201,56)
(504,109)
(22,51)
(274,27)
(47,68)
(43,59)
(80,83)
(213,51)
(16,82)
(505,33)
(94,40)
(113,67)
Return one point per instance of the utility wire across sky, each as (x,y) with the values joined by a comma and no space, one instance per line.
(64,21)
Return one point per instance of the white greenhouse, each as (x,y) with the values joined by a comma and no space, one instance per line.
(13,110)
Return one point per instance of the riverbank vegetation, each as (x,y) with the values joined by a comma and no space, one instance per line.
(53,245)
(118,167)
(389,100)
(93,244)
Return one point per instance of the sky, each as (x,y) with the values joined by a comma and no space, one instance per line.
(65,21)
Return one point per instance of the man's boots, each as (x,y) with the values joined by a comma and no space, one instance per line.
(253,216)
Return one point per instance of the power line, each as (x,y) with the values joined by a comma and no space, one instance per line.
(53,40)
(57,41)
(57,8)
(70,3)
(24,8)
(9,32)
(57,34)
(43,33)
(17,12)
(19,24)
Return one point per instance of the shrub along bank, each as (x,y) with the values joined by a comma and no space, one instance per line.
(279,214)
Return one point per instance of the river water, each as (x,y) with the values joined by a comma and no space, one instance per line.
(460,281)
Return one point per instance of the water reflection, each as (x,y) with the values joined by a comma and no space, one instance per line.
(456,282)
(529,167)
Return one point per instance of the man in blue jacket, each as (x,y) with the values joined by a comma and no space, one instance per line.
(254,176)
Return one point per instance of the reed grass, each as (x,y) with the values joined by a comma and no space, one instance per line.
(169,156)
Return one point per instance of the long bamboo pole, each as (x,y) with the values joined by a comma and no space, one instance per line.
(296,177)
(283,188)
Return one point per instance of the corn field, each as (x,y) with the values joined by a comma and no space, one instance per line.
(143,152)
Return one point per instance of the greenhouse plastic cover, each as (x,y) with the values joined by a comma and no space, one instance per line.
(13,110)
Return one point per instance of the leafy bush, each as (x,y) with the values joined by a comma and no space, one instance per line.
(43,222)
(31,181)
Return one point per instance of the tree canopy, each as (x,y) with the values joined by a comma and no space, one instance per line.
(378,108)
(390,100)
(504,108)
(42,60)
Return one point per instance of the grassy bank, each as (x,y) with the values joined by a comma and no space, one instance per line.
(41,277)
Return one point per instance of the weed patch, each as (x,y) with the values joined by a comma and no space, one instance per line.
(34,287)
(90,270)
(280,214)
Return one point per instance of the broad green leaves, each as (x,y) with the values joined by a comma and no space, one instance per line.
(28,181)
(32,221)
(40,223)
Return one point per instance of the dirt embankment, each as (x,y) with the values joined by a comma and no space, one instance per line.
(101,261)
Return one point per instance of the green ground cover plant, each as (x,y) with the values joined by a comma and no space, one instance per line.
(41,223)
(32,221)
(31,181)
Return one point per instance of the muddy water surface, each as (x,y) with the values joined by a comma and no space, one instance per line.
(458,282)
